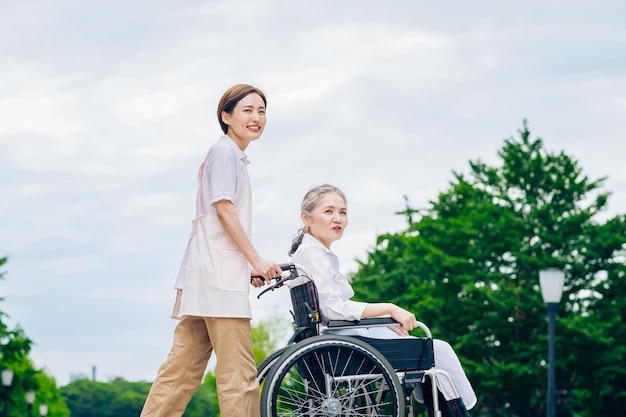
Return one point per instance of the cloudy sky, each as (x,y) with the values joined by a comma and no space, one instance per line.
(108,107)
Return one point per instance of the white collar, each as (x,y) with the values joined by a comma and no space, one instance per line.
(311,240)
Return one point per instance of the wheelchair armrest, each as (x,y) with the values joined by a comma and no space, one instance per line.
(373,322)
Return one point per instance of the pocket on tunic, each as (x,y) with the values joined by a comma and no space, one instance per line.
(234,270)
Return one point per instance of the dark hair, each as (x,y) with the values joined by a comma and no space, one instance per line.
(231,97)
(309,202)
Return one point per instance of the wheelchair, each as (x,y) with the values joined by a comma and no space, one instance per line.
(323,374)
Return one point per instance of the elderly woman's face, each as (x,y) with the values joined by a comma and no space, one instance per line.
(328,219)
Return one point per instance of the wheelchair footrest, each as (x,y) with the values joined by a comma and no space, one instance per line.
(413,379)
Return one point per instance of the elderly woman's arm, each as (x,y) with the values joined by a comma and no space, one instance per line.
(406,319)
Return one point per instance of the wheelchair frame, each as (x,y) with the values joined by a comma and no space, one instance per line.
(324,374)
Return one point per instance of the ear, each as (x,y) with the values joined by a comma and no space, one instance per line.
(305,219)
(225,117)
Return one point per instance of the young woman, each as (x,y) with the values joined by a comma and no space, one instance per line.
(213,282)
(325,217)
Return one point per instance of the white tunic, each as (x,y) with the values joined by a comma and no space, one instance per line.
(214,277)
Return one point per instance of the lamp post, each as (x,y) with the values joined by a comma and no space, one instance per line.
(551,281)
(7,378)
(30,400)
(43,410)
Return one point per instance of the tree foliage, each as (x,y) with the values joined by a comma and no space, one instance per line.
(468,265)
(15,347)
(118,398)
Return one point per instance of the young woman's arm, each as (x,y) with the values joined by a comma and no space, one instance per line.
(229,219)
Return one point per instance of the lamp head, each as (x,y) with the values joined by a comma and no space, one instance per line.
(7,377)
(551,281)
(30,397)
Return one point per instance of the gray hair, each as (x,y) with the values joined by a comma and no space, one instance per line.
(309,202)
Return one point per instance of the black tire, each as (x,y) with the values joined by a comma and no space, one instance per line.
(332,376)
(264,368)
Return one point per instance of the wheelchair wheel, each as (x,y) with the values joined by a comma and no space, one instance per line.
(264,368)
(332,376)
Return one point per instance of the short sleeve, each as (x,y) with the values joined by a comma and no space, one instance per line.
(219,179)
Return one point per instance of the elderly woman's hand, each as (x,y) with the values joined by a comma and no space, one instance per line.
(406,319)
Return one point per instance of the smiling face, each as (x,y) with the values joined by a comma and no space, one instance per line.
(328,219)
(247,120)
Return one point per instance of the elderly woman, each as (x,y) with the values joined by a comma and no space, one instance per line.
(325,217)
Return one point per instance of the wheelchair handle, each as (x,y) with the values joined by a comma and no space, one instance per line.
(295,271)
(284,267)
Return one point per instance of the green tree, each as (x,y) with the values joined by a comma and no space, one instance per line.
(468,265)
(118,398)
(14,349)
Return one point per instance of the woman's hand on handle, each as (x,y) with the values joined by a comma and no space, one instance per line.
(266,269)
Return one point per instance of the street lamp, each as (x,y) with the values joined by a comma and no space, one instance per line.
(551,281)
(30,399)
(7,378)
(43,410)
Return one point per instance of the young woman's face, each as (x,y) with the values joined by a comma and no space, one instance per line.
(247,121)
(328,219)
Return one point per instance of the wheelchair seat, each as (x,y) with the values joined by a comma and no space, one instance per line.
(403,354)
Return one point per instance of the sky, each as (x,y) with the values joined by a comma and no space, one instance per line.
(108,108)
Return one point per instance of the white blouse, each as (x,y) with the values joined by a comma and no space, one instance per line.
(333,287)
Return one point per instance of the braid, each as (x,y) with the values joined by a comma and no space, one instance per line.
(295,244)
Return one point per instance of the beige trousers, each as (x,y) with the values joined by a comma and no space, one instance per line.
(181,374)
